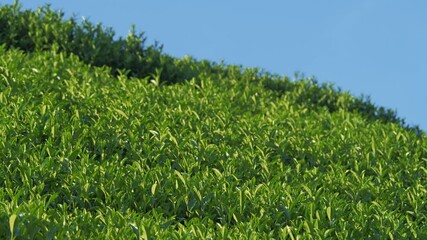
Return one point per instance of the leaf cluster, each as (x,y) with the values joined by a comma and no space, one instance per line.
(46,29)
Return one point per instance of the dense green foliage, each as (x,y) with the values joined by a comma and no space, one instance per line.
(46,29)
(92,152)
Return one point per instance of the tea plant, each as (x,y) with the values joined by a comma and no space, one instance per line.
(88,155)
(229,153)
(46,29)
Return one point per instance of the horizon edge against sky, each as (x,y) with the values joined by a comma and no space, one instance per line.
(374,49)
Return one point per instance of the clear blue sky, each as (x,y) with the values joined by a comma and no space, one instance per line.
(371,47)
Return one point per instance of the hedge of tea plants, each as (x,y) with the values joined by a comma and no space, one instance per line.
(94,152)
(94,44)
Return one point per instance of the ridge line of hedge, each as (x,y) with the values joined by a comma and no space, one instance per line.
(46,29)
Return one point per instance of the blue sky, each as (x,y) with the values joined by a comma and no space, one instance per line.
(371,47)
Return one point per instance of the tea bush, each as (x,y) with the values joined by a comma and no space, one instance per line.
(89,155)
(46,29)
(228,153)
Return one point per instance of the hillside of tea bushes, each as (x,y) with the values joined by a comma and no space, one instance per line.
(104,138)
